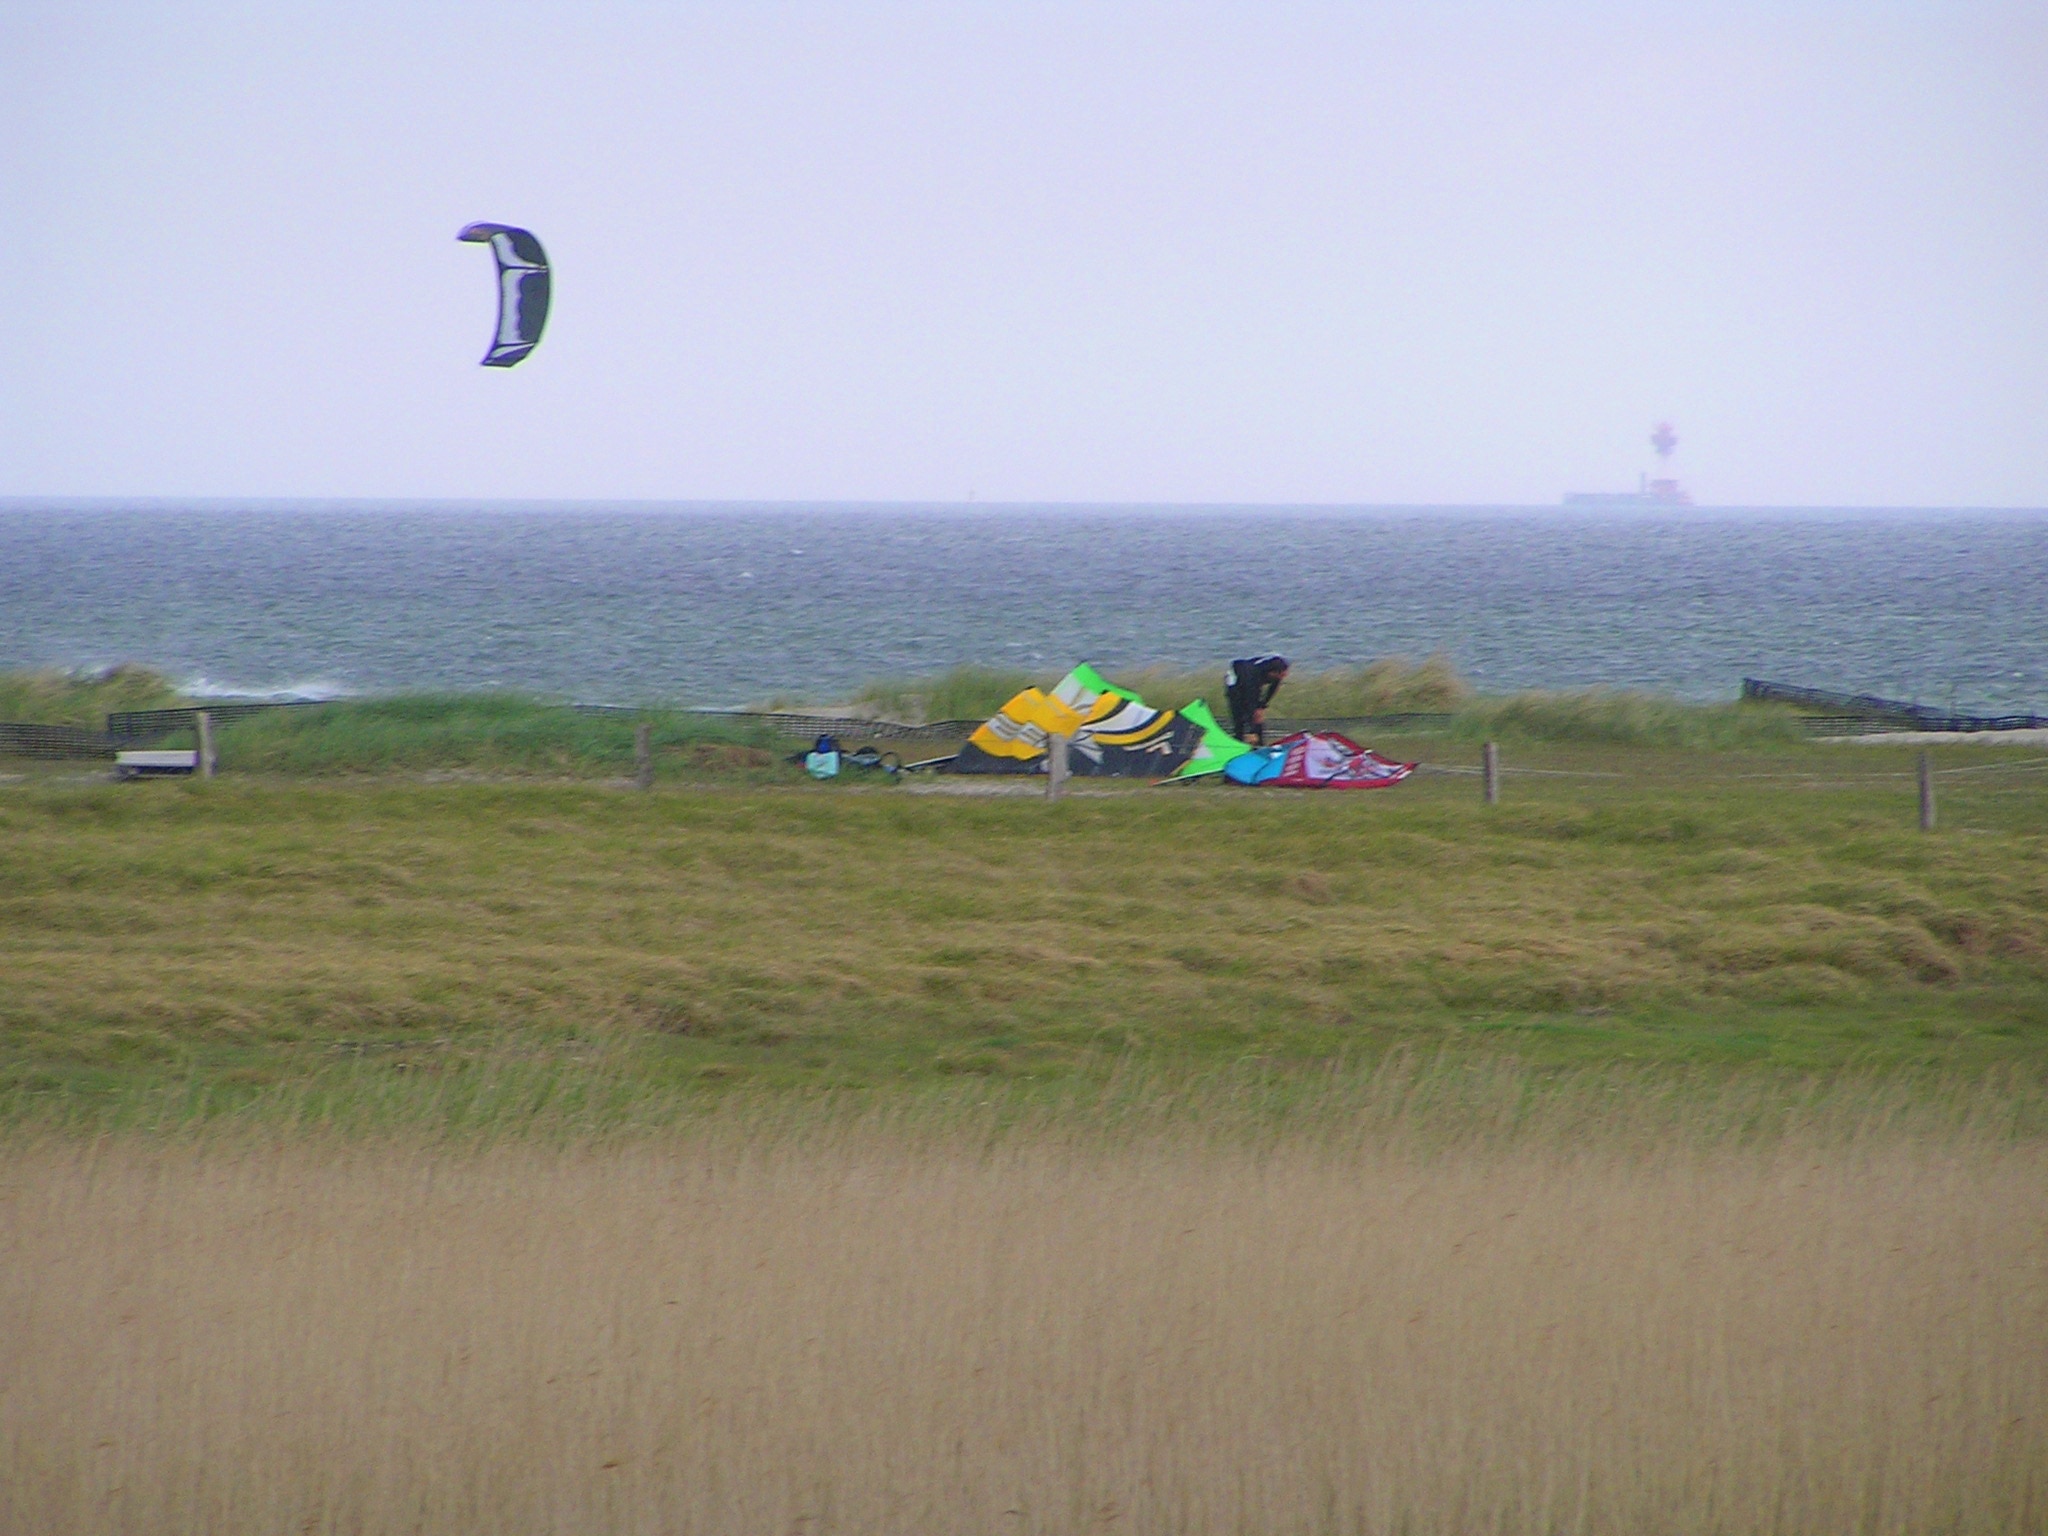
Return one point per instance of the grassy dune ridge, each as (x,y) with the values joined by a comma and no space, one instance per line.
(486,733)
(898,1325)
(1393,685)
(1390,686)
(504,731)
(82,699)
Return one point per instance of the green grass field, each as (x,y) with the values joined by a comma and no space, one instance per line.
(331,925)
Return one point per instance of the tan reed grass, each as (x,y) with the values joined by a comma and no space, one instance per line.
(870,1327)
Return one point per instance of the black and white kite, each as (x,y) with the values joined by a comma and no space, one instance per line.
(522,290)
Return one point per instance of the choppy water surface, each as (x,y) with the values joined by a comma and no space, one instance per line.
(729,604)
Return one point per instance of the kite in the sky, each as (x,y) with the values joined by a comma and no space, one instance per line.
(522,290)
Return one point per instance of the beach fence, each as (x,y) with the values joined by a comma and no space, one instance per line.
(1846,714)
(54,741)
(1833,714)
(1828,714)
(139,727)
(784,723)
(125,729)
(1850,714)
(1924,775)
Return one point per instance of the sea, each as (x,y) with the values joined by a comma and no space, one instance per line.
(730,605)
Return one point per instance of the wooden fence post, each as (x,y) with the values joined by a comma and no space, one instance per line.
(209,760)
(1491,773)
(1055,766)
(643,757)
(1926,791)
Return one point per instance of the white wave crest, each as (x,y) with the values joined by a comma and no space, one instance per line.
(309,691)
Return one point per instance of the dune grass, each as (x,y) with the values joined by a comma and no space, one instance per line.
(1391,686)
(962,693)
(490,732)
(82,699)
(1617,717)
(482,733)
(513,732)
(1778,909)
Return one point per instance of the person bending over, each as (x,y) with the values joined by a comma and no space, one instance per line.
(1249,685)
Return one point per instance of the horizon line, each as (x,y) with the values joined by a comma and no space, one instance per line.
(34,501)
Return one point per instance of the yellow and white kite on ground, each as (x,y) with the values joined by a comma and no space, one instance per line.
(1113,731)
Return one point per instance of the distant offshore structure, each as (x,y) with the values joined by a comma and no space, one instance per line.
(1660,492)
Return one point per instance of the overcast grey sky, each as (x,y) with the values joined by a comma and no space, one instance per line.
(1103,251)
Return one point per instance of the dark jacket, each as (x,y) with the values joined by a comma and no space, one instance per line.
(1251,683)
